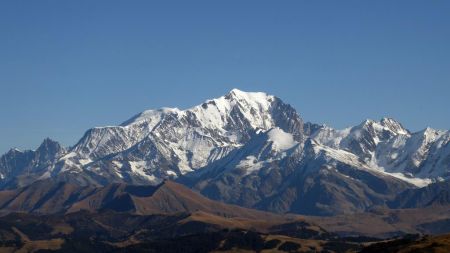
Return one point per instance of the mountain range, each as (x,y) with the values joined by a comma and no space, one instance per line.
(249,149)
(46,216)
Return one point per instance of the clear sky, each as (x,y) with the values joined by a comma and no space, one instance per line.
(66,66)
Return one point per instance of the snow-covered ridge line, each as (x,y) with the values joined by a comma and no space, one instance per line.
(170,142)
(386,146)
(222,105)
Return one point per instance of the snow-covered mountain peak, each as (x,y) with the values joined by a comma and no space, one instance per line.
(254,98)
(385,124)
(237,109)
(424,138)
(13,151)
(394,126)
(51,147)
(217,109)
(48,142)
(431,133)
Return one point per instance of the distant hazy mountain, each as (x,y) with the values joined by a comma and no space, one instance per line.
(247,148)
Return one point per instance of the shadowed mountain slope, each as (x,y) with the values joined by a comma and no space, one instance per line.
(46,197)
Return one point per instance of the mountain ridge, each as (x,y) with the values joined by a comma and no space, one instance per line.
(246,148)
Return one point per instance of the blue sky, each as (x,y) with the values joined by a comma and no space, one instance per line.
(66,66)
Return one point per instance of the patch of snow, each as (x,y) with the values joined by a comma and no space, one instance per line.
(419,182)
(250,165)
(330,137)
(69,155)
(117,164)
(339,155)
(71,166)
(138,168)
(94,168)
(171,173)
(184,167)
(281,140)
(84,161)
